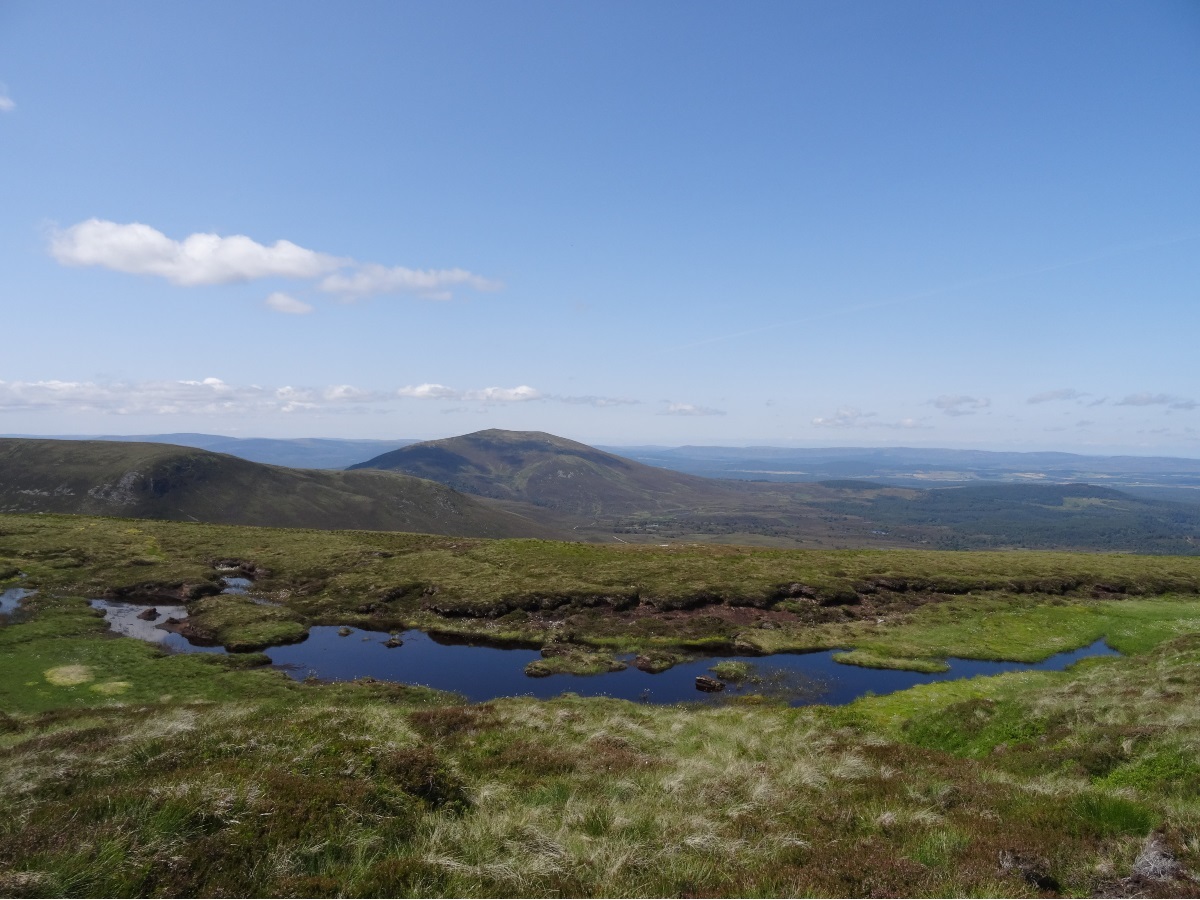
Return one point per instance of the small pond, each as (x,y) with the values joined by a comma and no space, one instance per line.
(11,598)
(485,673)
(482,672)
(126,619)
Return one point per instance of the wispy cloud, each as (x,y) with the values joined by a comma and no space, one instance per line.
(372,279)
(960,404)
(211,259)
(213,396)
(519,394)
(7,104)
(207,396)
(1060,394)
(429,392)
(689,409)
(852,417)
(285,303)
(600,402)
(1147,399)
(845,417)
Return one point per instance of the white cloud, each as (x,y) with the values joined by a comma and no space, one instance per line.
(845,417)
(196,260)
(960,404)
(1147,399)
(600,402)
(207,259)
(371,279)
(430,392)
(518,394)
(690,409)
(1060,394)
(6,102)
(851,417)
(213,396)
(285,303)
(207,396)
(505,395)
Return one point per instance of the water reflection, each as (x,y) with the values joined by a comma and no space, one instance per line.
(11,599)
(483,672)
(132,620)
(486,673)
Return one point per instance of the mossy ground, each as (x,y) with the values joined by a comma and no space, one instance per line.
(893,604)
(193,775)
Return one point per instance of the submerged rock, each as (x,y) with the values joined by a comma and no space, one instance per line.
(393,642)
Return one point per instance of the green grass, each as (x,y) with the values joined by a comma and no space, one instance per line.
(733,670)
(568,659)
(1030,629)
(349,790)
(127,772)
(872,660)
(626,597)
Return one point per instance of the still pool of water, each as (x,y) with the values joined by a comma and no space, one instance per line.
(10,599)
(484,673)
(124,619)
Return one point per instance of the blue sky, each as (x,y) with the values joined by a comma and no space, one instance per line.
(802,223)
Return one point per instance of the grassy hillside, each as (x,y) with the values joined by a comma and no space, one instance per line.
(548,471)
(167,482)
(128,772)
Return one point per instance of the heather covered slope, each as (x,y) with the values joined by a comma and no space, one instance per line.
(160,481)
(549,471)
(127,771)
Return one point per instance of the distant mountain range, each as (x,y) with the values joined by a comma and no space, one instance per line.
(1147,476)
(298,453)
(161,481)
(506,484)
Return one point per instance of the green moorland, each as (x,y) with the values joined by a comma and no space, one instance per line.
(163,481)
(127,772)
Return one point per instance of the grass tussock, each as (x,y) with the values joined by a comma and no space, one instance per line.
(331,790)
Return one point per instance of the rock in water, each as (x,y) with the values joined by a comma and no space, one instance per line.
(148,615)
(709,685)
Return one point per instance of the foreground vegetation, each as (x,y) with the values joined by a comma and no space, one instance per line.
(897,604)
(127,772)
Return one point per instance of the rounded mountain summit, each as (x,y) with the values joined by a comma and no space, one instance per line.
(549,471)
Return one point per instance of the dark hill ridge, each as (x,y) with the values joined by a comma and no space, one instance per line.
(161,481)
(549,471)
(1041,516)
